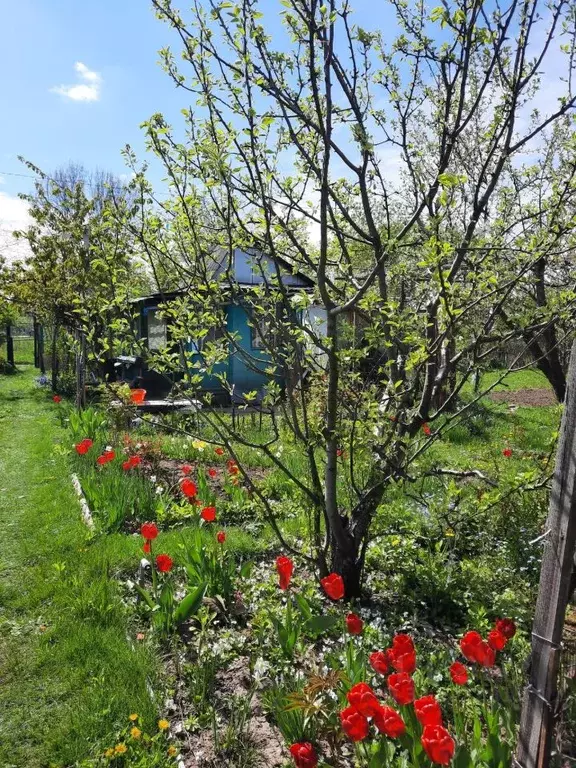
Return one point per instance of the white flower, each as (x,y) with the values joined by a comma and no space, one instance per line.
(152,478)
(159,490)
(261,667)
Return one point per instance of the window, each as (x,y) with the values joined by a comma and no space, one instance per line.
(263,336)
(156,330)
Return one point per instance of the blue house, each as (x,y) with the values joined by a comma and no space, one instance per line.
(244,371)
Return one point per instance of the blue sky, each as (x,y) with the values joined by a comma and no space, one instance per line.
(79,77)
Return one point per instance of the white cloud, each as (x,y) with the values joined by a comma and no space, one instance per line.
(13,215)
(86,90)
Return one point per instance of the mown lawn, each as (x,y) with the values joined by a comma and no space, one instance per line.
(69,672)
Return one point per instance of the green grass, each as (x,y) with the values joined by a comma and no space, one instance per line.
(530,378)
(69,676)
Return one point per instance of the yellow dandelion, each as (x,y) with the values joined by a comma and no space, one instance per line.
(135,733)
(109,752)
(172,751)
(163,725)
(120,749)
(449,532)
(133,717)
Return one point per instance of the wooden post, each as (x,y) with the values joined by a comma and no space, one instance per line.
(80,370)
(41,363)
(9,346)
(538,710)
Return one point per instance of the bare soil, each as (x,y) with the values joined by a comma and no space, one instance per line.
(525,397)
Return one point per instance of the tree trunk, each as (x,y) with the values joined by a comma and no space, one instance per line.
(551,367)
(346,561)
(55,358)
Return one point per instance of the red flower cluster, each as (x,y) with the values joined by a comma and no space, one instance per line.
(84,446)
(365,705)
(130,463)
(220,537)
(333,585)
(232,467)
(188,487)
(208,514)
(57,399)
(285,568)
(507,452)
(483,652)
(212,472)
(105,458)
(304,755)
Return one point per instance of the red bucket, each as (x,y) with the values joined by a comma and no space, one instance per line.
(138,396)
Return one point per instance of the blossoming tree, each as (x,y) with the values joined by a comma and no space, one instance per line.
(388,170)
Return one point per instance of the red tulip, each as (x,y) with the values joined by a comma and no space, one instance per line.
(219,451)
(149,531)
(233,468)
(106,457)
(57,399)
(497,640)
(354,624)
(354,725)
(459,673)
(507,452)
(220,537)
(285,568)
(189,488)
(333,586)
(135,461)
(486,655)
(126,465)
(362,698)
(428,711)
(426,429)
(402,643)
(164,563)
(208,514)
(403,662)
(84,446)
(304,755)
(186,469)
(389,722)
(438,744)
(507,627)
(212,472)
(379,662)
(470,644)
(401,687)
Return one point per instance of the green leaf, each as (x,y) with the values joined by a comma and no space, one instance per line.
(304,606)
(146,596)
(246,569)
(318,624)
(190,604)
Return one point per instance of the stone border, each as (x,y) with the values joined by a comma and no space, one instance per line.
(86,514)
